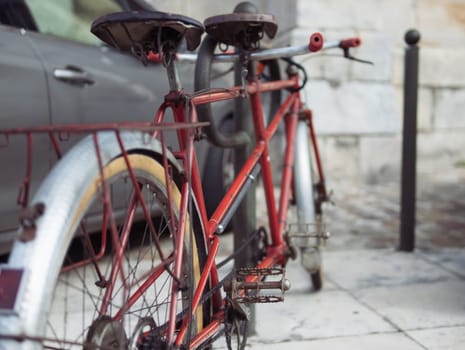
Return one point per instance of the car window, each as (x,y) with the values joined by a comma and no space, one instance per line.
(70,19)
(15,13)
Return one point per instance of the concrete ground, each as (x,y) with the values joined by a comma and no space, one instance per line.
(372,299)
(374,296)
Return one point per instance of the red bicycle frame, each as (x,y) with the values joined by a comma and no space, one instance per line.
(183,106)
(289,111)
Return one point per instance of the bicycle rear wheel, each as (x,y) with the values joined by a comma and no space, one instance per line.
(308,213)
(107,289)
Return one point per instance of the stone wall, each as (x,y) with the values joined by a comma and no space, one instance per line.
(358,108)
(284,10)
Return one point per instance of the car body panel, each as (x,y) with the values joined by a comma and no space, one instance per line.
(31,94)
(23,91)
(113,93)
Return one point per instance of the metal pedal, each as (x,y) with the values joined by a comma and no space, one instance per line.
(242,291)
(300,234)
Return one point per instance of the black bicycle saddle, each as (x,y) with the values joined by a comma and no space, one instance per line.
(145,31)
(243,30)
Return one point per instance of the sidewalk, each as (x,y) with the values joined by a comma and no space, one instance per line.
(372,299)
(375,297)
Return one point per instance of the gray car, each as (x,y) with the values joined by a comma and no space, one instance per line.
(53,71)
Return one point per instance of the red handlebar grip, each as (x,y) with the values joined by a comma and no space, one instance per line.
(154,57)
(351,42)
(316,42)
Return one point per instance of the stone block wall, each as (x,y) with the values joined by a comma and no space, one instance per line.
(358,108)
(284,10)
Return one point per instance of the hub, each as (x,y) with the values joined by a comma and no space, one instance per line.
(105,333)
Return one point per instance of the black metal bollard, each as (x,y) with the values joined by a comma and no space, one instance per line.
(409,143)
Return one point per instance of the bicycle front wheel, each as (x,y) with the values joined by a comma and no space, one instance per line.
(308,215)
(115,288)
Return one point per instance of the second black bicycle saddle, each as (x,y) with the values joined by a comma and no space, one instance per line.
(243,30)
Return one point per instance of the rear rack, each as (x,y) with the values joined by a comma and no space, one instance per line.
(95,127)
(62,133)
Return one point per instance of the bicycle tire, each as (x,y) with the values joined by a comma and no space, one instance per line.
(219,171)
(67,194)
(305,203)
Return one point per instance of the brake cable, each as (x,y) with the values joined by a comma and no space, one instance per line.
(291,63)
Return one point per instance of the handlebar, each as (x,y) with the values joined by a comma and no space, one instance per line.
(206,57)
(316,44)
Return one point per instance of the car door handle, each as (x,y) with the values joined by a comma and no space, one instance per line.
(73,75)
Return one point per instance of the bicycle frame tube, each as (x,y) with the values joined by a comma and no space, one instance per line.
(288,165)
(322,183)
(276,218)
(259,153)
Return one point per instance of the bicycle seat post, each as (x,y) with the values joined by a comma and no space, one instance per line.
(169,61)
(246,69)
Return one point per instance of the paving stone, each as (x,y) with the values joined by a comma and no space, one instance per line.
(447,338)
(300,278)
(356,270)
(367,217)
(424,305)
(308,316)
(451,259)
(365,342)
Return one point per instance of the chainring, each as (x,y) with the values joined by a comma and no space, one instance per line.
(235,327)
